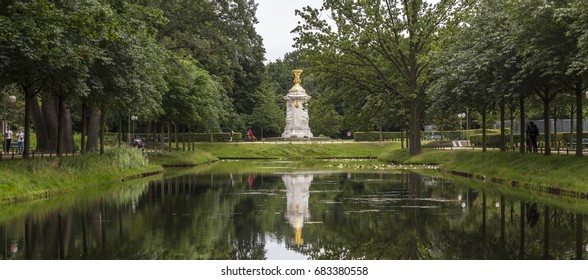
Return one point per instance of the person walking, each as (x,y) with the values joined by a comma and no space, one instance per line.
(534,135)
(20,140)
(232,133)
(250,134)
(528,139)
(7,139)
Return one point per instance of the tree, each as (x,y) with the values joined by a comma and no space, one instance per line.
(267,117)
(384,39)
(545,53)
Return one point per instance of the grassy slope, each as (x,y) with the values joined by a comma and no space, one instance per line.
(296,151)
(35,177)
(563,171)
(29,179)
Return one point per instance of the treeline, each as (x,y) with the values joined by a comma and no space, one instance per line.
(87,65)
(399,65)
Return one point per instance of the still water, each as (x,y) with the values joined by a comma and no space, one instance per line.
(275,210)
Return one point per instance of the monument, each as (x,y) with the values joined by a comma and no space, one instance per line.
(296,111)
(297,194)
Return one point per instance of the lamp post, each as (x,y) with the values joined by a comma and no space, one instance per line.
(10,99)
(134,118)
(460,116)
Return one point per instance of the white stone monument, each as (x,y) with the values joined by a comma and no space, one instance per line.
(297,194)
(296,111)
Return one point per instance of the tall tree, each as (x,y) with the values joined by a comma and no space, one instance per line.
(384,38)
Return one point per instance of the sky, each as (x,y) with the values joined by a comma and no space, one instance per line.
(276,21)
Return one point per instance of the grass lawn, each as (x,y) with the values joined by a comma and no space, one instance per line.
(246,150)
(563,171)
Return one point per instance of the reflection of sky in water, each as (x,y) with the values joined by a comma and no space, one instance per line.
(380,216)
(276,250)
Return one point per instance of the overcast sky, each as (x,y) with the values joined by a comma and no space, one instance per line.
(276,21)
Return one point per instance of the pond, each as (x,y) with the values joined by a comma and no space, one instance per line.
(280,210)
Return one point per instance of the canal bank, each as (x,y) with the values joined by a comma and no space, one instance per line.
(556,174)
(41,178)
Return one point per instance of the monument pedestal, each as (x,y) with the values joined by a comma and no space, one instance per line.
(296,111)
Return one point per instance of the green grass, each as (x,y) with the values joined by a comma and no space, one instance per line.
(39,177)
(296,151)
(563,171)
(181,158)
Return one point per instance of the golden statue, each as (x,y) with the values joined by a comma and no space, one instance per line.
(297,76)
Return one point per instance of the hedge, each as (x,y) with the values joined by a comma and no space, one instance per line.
(493,140)
(199,137)
(448,135)
(377,136)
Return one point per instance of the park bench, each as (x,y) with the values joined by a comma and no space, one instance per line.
(584,142)
(14,147)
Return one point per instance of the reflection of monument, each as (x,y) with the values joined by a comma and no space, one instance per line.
(296,111)
(297,193)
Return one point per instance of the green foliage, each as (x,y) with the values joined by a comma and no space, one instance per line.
(324,119)
(266,115)
(377,136)
(215,137)
(376,49)
(125,157)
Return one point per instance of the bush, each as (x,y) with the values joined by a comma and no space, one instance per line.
(199,137)
(377,136)
(124,157)
(493,140)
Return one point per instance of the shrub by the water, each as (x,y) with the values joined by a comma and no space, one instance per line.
(125,157)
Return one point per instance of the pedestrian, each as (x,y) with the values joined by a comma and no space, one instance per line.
(7,139)
(232,133)
(250,134)
(20,140)
(534,135)
(528,139)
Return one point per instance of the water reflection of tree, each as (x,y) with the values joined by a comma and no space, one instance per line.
(360,216)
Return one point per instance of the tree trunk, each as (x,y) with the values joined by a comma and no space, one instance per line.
(102,130)
(148,132)
(93,128)
(169,140)
(119,138)
(522,124)
(36,116)
(67,143)
(162,140)
(554,139)
(61,110)
(49,110)
(30,98)
(502,128)
(47,121)
(176,137)
(83,132)
(572,113)
(547,122)
(484,131)
(415,127)
(579,118)
(512,145)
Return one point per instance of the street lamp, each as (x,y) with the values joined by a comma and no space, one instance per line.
(461,116)
(10,99)
(134,118)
